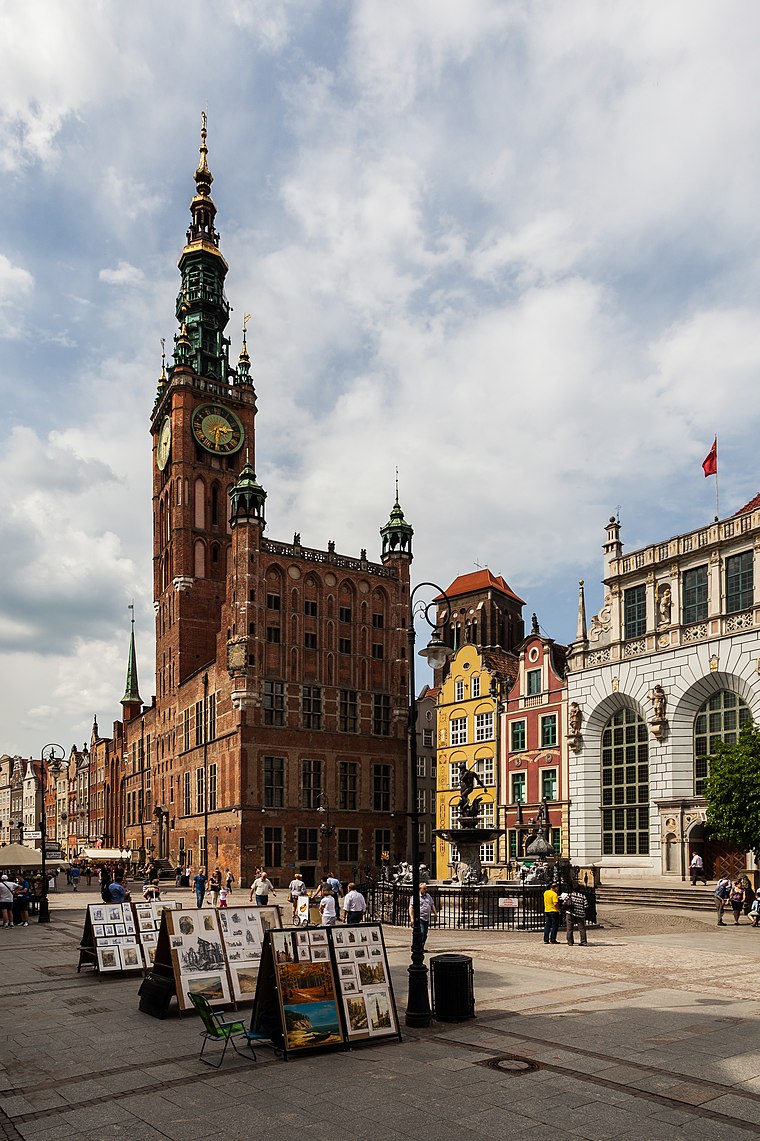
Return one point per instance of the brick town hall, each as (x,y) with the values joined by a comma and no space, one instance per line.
(277,734)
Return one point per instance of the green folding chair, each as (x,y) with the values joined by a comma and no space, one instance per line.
(217,1030)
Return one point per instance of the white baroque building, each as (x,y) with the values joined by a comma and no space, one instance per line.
(670,664)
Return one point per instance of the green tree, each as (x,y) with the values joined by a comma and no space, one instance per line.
(733,791)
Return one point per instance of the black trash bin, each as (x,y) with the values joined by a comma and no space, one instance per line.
(453,987)
(155,994)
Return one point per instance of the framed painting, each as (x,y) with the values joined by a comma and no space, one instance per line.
(109,958)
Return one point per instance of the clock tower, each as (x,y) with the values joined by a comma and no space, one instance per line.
(203,434)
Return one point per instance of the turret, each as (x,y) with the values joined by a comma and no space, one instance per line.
(247,498)
(397,535)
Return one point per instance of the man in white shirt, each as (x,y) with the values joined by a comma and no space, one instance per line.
(697,869)
(427,911)
(327,907)
(354,905)
(7,888)
(297,888)
(261,887)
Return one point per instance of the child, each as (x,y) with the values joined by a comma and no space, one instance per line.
(223,893)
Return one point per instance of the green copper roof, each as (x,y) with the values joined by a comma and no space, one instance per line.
(397,533)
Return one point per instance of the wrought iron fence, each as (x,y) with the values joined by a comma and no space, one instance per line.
(504,907)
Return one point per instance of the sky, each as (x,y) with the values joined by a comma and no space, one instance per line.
(511,249)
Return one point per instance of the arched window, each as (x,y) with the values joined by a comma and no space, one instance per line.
(200,559)
(719,719)
(625,785)
(200,503)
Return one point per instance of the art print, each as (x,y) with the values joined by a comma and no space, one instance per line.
(346,954)
(149,937)
(349,986)
(130,958)
(320,954)
(115,914)
(371,974)
(109,959)
(357,1018)
(346,971)
(208,923)
(375,952)
(129,941)
(120,929)
(97,914)
(186,924)
(149,951)
(177,941)
(212,986)
(379,1011)
(244,982)
(98,930)
(339,936)
(147,924)
(109,929)
(363,935)
(318,937)
(360,952)
(375,934)
(302,938)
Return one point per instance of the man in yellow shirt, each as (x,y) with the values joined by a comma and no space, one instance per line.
(551,915)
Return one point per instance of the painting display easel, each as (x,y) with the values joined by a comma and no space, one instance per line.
(120,937)
(213,952)
(325,988)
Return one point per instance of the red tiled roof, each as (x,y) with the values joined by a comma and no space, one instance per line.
(751,506)
(480,580)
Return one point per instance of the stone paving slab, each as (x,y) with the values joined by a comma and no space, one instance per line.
(617,1056)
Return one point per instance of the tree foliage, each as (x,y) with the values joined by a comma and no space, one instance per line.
(733,791)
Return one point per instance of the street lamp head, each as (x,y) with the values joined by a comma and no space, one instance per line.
(437,653)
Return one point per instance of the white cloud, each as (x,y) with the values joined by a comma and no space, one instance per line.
(123,274)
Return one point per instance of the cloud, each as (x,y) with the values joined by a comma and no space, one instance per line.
(124,274)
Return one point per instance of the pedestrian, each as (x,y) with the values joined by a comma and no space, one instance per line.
(261,887)
(575,916)
(722,892)
(296,888)
(7,888)
(551,914)
(178,876)
(223,893)
(68,875)
(428,911)
(229,879)
(336,887)
(117,892)
(151,891)
(75,873)
(736,899)
(22,893)
(214,886)
(327,908)
(354,905)
(88,873)
(697,869)
(199,883)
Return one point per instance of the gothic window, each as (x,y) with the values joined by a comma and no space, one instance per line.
(625,785)
(719,719)
(200,559)
(215,505)
(200,503)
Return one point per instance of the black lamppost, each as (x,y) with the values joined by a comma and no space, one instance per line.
(326,828)
(54,756)
(436,653)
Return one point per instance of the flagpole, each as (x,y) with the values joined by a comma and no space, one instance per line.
(717,512)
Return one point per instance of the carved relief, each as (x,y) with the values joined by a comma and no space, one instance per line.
(574,724)
(601,622)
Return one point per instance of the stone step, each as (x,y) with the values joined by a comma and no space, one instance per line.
(691,899)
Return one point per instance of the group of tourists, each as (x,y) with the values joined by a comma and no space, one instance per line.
(569,906)
(739,896)
(217,886)
(16,892)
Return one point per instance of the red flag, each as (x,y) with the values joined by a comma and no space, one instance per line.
(710,463)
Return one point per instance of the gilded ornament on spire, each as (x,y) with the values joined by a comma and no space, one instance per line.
(203,176)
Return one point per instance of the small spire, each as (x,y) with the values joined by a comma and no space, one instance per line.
(581,634)
(203,176)
(244,360)
(162,380)
(131,690)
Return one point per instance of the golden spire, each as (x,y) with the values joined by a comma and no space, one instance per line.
(203,176)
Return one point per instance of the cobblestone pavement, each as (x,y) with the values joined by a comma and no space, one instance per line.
(652,1031)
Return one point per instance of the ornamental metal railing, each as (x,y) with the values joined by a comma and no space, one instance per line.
(505,907)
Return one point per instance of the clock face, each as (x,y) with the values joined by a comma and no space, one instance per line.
(163,447)
(217,429)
